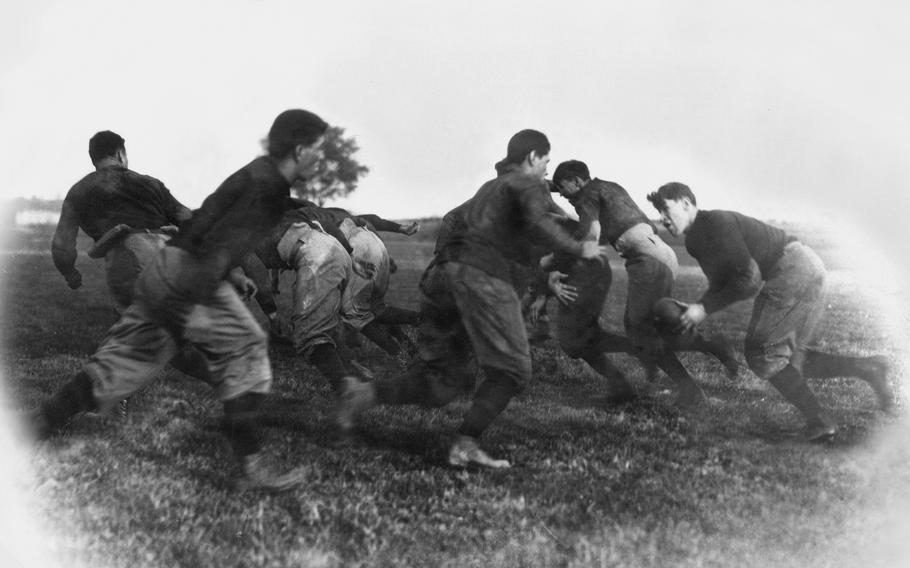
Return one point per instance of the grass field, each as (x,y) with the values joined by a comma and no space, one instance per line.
(641,484)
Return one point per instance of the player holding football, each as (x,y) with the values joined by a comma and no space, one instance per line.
(742,256)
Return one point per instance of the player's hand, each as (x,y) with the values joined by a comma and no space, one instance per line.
(592,249)
(74,279)
(276,329)
(245,287)
(409,229)
(546,261)
(565,293)
(693,315)
(536,309)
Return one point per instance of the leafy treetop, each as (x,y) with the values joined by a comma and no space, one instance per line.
(338,173)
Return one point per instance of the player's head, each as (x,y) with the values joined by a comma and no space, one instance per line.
(569,177)
(296,138)
(529,150)
(677,206)
(292,128)
(107,144)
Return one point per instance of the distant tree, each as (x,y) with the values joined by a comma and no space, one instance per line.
(338,173)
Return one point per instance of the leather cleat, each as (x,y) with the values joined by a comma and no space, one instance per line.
(356,396)
(362,370)
(820,432)
(123,407)
(465,452)
(652,373)
(257,476)
(402,359)
(619,393)
(874,370)
(728,359)
(690,397)
(342,439)
(37,427)
(733,369)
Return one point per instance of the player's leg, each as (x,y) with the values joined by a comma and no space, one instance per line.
(380,336)
(578,328)
(873,370)
(191,362)
(490,311)
(124,264)
(666,313)
(135,350)
(580,337)
(784,319)
(236,347)
(395,315)
(319,298)
(696,340)
(812,362)
(651,278)
(371,265)
(619,390)
(124,261)
(446,368)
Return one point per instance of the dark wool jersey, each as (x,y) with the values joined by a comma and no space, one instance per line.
(109,197)
(508,221)
(610,204)
(234,219)
(453,223)
(115,195)
(370,221)
(724,243)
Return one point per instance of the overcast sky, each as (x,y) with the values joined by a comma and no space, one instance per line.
(783,110)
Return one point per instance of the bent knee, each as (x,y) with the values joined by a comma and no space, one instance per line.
(766,360)
(513,381)
(443,386)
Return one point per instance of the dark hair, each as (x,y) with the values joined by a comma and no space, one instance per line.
(104,144)
(571,169)
(673,191)
(521,144)
(293,127)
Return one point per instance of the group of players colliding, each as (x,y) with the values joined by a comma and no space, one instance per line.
(181,278)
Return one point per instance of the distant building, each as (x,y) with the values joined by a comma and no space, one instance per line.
(28,217)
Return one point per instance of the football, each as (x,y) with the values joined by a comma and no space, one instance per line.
(666,312)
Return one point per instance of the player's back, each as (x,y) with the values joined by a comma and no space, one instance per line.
(116,195)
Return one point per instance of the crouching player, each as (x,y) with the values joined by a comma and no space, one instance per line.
(742,256)
(307,242)
(582,286)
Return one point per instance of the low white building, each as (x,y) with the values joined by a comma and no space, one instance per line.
(36,217)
